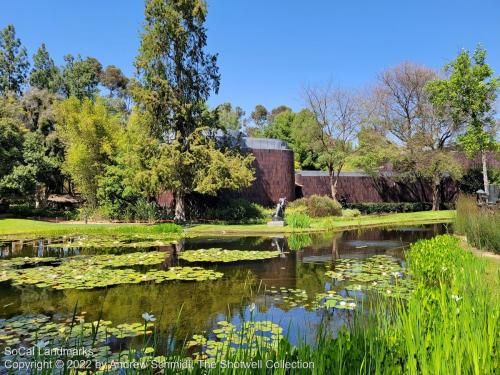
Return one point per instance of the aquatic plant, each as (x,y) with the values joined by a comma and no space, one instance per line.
(89,272)
(214,255)
(251,338)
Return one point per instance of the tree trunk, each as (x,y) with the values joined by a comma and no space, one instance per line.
(436,183)
(485,172)
(41,196)
(180,211)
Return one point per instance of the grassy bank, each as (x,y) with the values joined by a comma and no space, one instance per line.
(24,227)
(20,227)
(480,225)
(332,223)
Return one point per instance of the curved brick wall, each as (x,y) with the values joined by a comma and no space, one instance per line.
(274,177)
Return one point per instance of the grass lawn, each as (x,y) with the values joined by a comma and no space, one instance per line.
(17,227)
(332,223)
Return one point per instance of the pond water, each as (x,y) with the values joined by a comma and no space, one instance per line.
(281,289)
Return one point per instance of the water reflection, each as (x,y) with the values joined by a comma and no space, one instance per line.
(301,265)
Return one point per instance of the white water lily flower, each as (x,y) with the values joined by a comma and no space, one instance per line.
(352,304)
(342,303)
(41,344)
(148,317)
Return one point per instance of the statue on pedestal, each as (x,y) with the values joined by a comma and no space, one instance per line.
(279,215)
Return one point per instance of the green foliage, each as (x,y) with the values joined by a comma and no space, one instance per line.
(298,220)
(201,167)
(236,210)
(438,260)
(467,96)
(11,140)
(45,74)
(13,62)
(230,118)
(145,211)
(480,225)
(383,207)
(472,180)
(81,77)
(318,206)
(176,75)
(87,129)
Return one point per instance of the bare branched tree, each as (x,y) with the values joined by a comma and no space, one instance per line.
(338,114)
(409,120)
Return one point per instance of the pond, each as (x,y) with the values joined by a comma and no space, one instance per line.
(309,278)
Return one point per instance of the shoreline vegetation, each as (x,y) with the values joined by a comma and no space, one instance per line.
(15,227)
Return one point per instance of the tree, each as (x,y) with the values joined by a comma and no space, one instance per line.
(45,74)
(467,97)
(81,77)
(13,62)
(38,109)
(114,80)
(337,119)
(276,111)
(87,129)
(204,167)
(260,116)
(11,140)
(404,114)
(175,77)
(33,176)
(229,118)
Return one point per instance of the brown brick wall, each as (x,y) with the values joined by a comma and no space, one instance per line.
(358,189)
(274,177)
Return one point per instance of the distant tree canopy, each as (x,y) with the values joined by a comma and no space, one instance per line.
(45,75)
(81,77)
(114,80)
(14,63)
(230,118)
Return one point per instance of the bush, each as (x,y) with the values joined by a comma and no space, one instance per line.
(236,210)
(351,212)
(317,206)
(480,225)
(438,259)
(298,220)
(145,211)
(386,207)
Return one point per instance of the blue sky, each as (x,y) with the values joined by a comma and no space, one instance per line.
(269,49)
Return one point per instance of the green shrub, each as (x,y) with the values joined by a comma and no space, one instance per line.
(386,207)
(480,225)
(298,220)
(438,259)
(236,210)
(317,206)
(145,211)
(351,212)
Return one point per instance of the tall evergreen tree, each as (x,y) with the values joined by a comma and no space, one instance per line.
(175,74)
(13,62)
(81,77)
(45,74)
